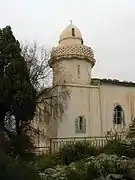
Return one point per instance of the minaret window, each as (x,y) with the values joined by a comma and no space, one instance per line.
(81,41)
(73,32)
(78,71)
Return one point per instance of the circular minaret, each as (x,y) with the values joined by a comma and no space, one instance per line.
(71,60)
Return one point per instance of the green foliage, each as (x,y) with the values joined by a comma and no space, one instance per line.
(43,162)
(91,172)
(82,161)
(24,150)
(82,171)
(67,154)
(131,131)
(114,147)
(14,169)
(118,144)
(74,152)
(17,94)
(100,167)
(76,171)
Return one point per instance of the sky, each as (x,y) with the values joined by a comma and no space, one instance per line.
(108,26)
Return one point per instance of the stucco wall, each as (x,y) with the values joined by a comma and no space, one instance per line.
(67,70)
(78,104)
(113,94)
(96,104)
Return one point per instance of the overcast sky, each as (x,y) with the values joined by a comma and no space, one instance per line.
(108,26)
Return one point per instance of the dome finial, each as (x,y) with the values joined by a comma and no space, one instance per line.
(70,21)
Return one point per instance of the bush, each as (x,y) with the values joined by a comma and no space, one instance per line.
(101,167)
(46,161)
(14,169)
(24,150)
(74,152)
(120,148)
(76,171)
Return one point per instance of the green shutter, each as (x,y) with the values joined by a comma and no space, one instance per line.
(84,125)
(76,126)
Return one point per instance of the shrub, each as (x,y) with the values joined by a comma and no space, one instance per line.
(110,164)
(74,152)
(92,171)
(14,169)
(101,167)
(46,161)
(24,150)
(54,174)
(120,148)
(75,171)
(119,143)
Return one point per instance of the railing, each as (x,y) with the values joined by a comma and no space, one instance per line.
(54,144)
(42,150)
(57,143)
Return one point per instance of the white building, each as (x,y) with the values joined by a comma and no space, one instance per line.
(93,106)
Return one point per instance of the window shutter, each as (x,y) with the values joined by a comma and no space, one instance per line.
(76,125)
(84,125)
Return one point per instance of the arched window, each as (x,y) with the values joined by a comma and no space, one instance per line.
(73,32)
(118,116)
(81,41)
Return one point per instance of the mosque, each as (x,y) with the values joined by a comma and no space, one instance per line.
(92,106)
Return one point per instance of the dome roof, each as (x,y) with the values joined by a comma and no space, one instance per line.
(71,46)
(70,33)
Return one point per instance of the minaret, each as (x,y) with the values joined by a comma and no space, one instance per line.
(71,60)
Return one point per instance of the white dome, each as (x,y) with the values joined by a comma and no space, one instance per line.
(71,35)
(71,46)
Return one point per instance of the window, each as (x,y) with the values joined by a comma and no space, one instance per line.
(80,124)
(73,32)
(78,71)
(81,41)
(118,116)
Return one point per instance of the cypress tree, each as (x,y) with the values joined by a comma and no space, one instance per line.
(17,94)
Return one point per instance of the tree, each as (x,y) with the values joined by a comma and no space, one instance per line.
(50,98)
(17,93)
(37,58)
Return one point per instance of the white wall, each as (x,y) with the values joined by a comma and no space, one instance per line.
(67,70)
(96,104)
(112,94)
(79,104)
